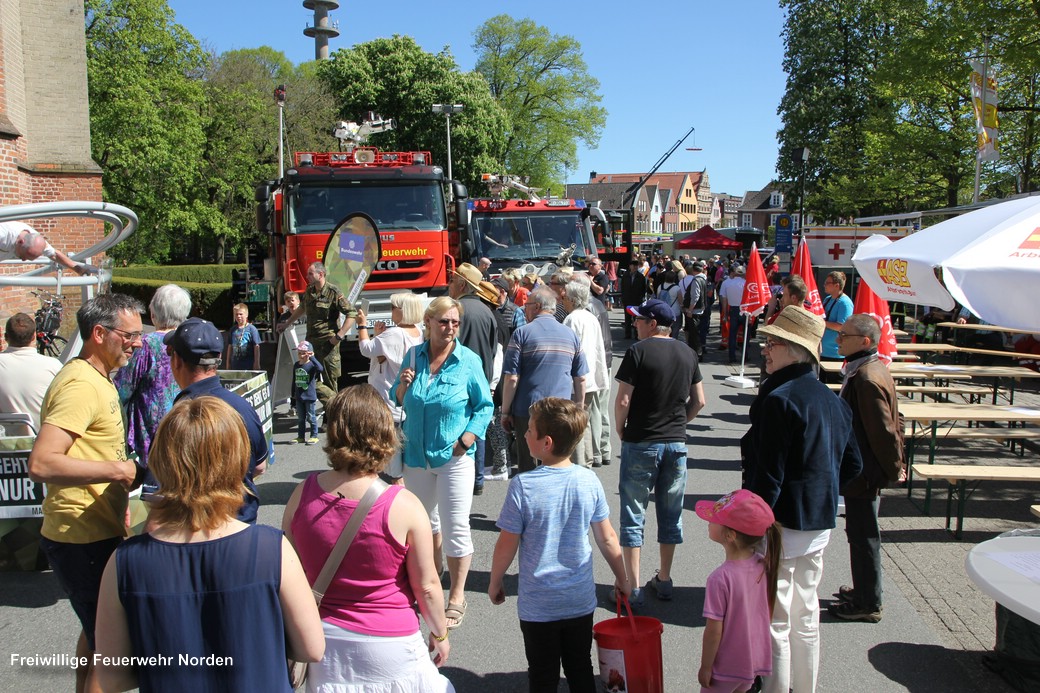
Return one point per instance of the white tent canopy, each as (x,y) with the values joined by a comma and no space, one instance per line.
(989,261)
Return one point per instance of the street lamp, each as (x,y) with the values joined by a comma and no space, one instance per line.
(802,157)
(697,204)
(447,109)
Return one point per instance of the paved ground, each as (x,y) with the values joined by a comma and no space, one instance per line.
(936,624)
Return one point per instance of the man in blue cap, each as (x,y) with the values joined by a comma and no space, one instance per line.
(194,349)
(659,391)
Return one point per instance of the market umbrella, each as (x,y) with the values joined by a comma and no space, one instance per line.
(989,261)
(868,302)
(802,266)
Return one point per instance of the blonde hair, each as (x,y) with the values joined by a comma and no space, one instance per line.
(410,305)
(200,456)
(513,276)
(361,436)
(242,306)
(440,306)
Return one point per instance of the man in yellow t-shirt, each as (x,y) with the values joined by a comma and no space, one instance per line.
(80,453)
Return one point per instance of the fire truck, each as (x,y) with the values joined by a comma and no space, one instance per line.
(533,233)
(421,236)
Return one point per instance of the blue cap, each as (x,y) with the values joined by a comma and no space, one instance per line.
(197,341)
(654,310)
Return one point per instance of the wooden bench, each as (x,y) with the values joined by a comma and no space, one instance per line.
(960,476)
(975,393)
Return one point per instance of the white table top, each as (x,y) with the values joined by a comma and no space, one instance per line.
(1007,585)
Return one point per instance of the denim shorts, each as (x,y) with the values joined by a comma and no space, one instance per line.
(658,467)
(79,568)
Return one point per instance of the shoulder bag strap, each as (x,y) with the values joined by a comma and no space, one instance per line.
(343,543)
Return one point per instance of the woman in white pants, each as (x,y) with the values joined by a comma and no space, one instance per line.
(447,404)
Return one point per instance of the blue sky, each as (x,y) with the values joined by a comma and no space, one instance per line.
(663,67)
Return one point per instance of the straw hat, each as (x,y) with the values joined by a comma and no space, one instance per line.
(797,325)
(470,273)
(488,292)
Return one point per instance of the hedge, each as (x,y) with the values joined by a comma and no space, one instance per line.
(180,274)
(208,300)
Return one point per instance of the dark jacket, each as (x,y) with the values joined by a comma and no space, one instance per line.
(871,395)
(800,449)
(633,288)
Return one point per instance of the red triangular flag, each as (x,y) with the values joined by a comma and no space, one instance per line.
(802,266)
(870,303)
(756,287)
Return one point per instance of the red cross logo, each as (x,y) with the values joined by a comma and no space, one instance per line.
(836,252)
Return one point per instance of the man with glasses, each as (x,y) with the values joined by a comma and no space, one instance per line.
(544,359)
(194,349)
(871,394)
(80,453)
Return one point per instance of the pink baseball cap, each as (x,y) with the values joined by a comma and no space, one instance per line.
(741,510)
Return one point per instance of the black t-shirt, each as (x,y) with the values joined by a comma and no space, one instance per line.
(601,280)
(661,372)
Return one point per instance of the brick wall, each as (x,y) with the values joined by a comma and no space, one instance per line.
(45,147)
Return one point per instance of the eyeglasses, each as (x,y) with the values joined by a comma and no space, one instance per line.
(770,344)
(843,335)
(447,322)
(127,336)
(552,283)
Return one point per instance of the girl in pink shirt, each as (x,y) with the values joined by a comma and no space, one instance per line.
(739,595)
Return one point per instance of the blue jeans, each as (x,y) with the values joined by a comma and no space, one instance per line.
(304,414)
(657,467)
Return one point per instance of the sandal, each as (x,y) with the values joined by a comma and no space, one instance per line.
(455,612)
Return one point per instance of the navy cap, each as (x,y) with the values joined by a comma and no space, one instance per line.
(654,310)
(197,341)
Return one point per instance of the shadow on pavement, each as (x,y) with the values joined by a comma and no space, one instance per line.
(30,590)
(275,492)
(468,682)
(926,668)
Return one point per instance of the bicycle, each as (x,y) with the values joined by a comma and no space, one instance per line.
(48,320)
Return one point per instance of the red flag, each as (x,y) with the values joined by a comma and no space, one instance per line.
(802,266)
(868,302)
(756,287)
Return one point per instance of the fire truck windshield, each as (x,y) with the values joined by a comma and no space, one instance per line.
(398,206)
(532,235)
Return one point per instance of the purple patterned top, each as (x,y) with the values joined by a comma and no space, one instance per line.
(147,390)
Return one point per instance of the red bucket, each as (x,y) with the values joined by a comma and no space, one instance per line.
(629,651)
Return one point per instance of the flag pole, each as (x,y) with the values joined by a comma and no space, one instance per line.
(982,117)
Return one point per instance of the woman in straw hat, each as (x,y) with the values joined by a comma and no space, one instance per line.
(798,453)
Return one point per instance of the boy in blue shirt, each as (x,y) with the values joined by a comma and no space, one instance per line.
(547,514)
(243,342)
(306,372)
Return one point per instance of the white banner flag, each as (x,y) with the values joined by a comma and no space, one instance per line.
(985,118)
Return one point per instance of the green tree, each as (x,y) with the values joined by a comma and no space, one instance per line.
(552,102)
(397,79)
(147,132)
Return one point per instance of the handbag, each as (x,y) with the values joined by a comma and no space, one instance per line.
(298,670)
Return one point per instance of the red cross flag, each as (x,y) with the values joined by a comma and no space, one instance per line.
(756,287)
(802,266)
(868,302)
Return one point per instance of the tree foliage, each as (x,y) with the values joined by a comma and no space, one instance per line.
(147,129)
(397,79)
(878,90)
(551,100)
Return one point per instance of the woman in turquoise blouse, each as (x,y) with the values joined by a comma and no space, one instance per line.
(447,404)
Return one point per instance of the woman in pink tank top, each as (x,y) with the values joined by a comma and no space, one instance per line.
(371,629)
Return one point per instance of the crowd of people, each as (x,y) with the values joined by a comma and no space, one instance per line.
(508,377)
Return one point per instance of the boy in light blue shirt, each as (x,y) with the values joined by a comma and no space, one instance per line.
(547,515)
